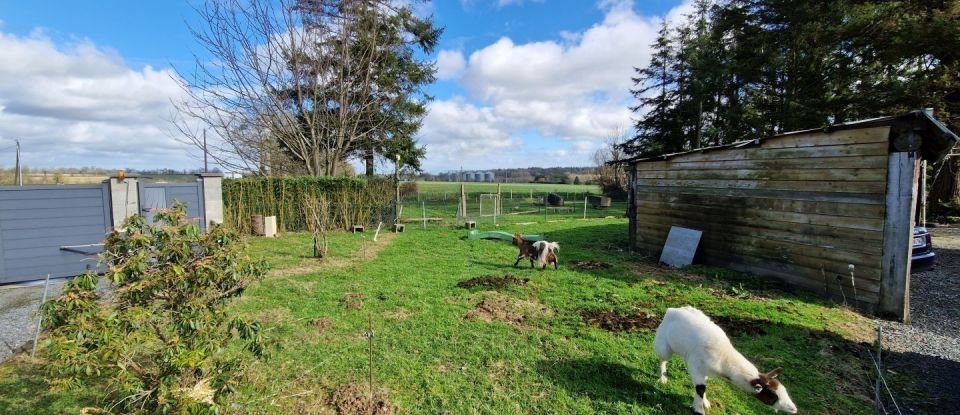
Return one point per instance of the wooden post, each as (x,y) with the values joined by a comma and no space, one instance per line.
(497,205)
(632,206)
(898,235)
(423,207)
(584,207)
(396,182)
(923,193)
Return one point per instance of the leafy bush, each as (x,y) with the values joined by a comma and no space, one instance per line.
(408,189)
(352,200)
(163,343)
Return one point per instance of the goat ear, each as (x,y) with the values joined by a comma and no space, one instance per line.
(775,373)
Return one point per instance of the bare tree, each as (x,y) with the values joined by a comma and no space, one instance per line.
(611,175)
(285,71)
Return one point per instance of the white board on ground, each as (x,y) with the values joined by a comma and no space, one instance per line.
(680,247)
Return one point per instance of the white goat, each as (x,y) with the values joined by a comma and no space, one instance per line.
(690,334)
(547,253)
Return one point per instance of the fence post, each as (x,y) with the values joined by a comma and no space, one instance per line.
(584,207)
(423,207)
(36,336)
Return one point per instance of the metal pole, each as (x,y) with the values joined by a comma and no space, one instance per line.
(423,207)
(205,170)
(584,208)
(19,170)
(876,387)
(370,348)
(36,336)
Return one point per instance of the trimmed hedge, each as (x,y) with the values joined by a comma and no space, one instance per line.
(352,200)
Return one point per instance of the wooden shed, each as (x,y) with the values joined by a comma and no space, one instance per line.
(800,206)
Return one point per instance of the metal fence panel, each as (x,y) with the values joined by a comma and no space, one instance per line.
(51,230)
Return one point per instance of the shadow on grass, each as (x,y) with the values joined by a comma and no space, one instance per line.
(609,382)
(610,243)
(27,392)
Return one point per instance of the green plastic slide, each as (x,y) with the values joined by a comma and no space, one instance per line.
(506,236)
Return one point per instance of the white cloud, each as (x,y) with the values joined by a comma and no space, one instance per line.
(450,64)
(574,89)
(81,105)
(502,3)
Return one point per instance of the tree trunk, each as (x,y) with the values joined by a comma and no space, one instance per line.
(946,188)
(368,160)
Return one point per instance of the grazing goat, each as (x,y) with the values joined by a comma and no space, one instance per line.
(527,250)
(690,334)
(547,254)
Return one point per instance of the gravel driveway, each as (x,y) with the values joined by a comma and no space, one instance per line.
(923,359)
(18,314)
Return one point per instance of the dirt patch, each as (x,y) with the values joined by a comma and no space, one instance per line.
(354,399)
(612,321)
(353,301)
(493,282)
(367,252)
(735,327)
(506,309)
(590,265)
(272,315)
(322,324)
(398,314)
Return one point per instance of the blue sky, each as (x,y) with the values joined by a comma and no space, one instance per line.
(522,82)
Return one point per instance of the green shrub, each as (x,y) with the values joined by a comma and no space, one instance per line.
(352,200)
(163,343)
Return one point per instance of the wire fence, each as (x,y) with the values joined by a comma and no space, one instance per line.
(490,208)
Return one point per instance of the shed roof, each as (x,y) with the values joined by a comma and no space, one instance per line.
(936,140)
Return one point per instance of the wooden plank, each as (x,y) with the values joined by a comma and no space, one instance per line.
(632,206)
(897,237)
(823,231)
(735,216)
(760,153)
(850,175)
(813,257)
(839,197)
(812,280)
(782,205)
(797,276)
(803,186)
(841,137)
(839,240)
(859,162)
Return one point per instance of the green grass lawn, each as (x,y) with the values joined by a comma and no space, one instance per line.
(472,187)
(521,349)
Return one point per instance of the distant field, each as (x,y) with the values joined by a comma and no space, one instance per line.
(506,187)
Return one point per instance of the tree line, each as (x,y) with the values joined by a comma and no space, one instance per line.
(742,69)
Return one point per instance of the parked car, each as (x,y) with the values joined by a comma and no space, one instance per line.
(923,256)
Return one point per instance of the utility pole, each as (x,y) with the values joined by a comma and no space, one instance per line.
(19,169)
(396,181)
(205,151)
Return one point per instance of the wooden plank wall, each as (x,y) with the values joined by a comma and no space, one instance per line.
(797,208)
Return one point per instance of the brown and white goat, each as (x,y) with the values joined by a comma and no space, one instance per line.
(690,334)
(547,254)
(527,250)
